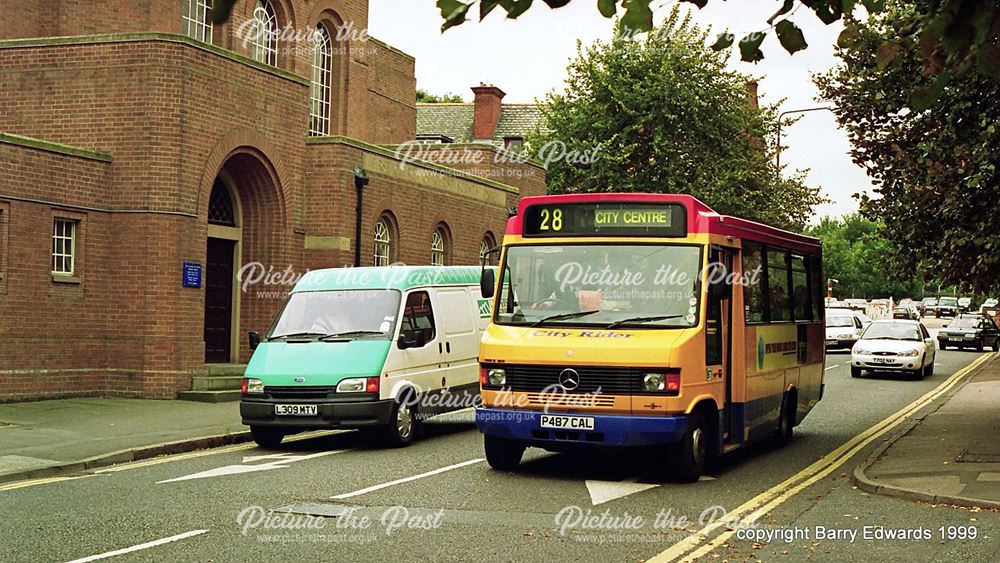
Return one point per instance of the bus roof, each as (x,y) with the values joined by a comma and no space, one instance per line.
(700,218)
(389,277)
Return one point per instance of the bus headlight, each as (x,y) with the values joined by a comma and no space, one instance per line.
(653,382)
(496,377)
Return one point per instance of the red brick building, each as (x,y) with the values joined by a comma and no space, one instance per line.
(140,145)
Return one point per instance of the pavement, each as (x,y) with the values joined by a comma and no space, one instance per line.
(45,438)
(950,455)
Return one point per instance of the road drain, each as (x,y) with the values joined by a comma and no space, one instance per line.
(971,457)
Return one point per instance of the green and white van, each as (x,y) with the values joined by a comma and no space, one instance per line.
(372,348)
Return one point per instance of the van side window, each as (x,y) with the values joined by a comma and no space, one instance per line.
(418,318)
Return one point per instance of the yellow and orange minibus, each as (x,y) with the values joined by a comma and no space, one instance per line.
(626,320)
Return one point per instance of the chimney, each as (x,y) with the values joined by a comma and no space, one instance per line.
(487,111)
(752,92)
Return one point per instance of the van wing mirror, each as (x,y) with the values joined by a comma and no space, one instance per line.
(487,283)
(254,340)
(411,339)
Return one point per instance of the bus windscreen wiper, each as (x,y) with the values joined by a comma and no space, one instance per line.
(297,335)
(643,320)
(564,316)
(349,333)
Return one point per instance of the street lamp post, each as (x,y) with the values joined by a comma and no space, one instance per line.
(780,116)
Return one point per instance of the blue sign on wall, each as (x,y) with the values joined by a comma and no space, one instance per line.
(192,274)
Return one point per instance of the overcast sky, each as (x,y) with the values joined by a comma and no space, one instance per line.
(527,58)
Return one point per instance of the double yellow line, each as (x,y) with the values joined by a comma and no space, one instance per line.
(698,544)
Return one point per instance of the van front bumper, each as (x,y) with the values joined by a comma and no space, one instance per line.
(260,412)
(609,430)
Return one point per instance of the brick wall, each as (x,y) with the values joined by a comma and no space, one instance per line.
(392,95)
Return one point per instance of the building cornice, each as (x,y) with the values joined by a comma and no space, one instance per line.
(48,146)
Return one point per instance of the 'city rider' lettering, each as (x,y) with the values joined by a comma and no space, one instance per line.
(581,334)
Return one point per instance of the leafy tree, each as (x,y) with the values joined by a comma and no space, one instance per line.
(952,35)
(663,114)
(425,97)
(854,253)
(935,170)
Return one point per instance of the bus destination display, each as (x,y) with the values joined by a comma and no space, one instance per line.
(606,219)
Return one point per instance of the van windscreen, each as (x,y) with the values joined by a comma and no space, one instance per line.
(369,313)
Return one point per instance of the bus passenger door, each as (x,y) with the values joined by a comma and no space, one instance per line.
(718,342)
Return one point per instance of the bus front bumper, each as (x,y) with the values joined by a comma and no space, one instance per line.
(609,430)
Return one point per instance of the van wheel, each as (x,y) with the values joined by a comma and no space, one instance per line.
(403,423)
(502,454)
(855,371)
(267,437)
(691,456)
(786,422)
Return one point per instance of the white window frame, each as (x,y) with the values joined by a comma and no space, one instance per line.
(438,247)
(322,78)
(383,243)
(485,245)
(59,235)
(196,18)
(263,34)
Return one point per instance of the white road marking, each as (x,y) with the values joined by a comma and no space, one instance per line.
(141,546)
(407,479)
(831,367)
(280,463)
(603,491)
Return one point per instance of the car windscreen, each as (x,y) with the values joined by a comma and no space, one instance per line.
(322,313)
(964,323)
(892,331)
(839,320)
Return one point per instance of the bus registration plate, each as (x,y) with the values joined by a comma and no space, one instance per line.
(572,422)
(296,410)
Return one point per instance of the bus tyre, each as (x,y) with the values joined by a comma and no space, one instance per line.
(403,423)
(855,371)
(692,454)
(267,437)
(501,453)
(786,422)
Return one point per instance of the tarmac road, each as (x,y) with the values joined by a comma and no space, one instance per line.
(438,500)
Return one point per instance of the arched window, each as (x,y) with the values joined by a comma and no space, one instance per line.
(439,246)
(485,245)
(221,210)
(319,107)
(264,34)
(196,19)
(383,242)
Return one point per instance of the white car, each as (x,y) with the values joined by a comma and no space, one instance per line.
(843,327)
(894,345)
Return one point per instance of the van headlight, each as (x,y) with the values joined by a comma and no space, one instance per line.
(251,385)
(353,385)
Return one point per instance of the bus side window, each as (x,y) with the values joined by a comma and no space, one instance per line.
(753,285)
(418,317)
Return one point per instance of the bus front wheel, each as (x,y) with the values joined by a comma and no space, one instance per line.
(692,454)
(501,453)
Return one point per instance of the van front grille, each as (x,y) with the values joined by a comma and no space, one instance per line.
(300,392)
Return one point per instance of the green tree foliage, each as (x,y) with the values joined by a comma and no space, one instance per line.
(425,97)
(663,114)
(935,169)
(855,253)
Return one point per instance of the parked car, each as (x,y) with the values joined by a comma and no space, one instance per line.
(894,345)
(835,304)
(906,312)
(964,304)
(843,328)
(946,307)
(930,304)
(970,331)
(856,304)
(990,303)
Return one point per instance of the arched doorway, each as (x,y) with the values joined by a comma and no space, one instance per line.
(244,213)
(225,234)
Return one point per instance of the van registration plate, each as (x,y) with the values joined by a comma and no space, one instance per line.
(572,422)
(296,410)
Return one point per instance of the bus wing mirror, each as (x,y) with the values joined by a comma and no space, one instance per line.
(254,340)
(487,283)
(719,286)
